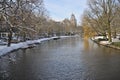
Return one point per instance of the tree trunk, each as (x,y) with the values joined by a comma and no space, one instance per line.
(24,36)
(109,33)
(9,39)
(115,33)
(10,29)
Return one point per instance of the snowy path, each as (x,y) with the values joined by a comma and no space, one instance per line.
(4,49)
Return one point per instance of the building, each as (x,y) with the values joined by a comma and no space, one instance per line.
(5,31)
(73,20)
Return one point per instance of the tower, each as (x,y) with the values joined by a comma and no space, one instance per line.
(73,20)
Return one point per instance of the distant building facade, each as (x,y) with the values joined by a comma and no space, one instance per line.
(4,31)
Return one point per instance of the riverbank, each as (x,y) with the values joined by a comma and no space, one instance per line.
(106,44)
(23,45)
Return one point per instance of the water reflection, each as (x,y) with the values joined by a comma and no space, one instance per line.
(63,59)
(86,44)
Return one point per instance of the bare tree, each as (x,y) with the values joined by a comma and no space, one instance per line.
(7,10)
(22,14)
(102,13)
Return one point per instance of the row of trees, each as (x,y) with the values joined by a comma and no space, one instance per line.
(25,15)
(31,20)
(102,17)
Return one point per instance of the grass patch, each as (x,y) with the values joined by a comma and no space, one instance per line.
(116,44)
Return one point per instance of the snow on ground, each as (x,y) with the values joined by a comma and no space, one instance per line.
(105,42)
(98,37)
(4,49)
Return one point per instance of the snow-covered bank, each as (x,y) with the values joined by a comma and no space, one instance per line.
(100,40)
(4,49)
(106,43)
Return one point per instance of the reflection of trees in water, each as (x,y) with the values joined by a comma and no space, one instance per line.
(86,44)
(67,42)
(72,42)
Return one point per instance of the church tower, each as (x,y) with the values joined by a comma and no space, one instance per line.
(73,20)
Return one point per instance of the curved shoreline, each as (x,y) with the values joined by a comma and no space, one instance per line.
(107,45)
(25,45)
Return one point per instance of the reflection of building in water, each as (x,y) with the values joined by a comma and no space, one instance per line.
(86,44)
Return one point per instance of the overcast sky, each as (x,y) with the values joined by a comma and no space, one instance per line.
(60,9)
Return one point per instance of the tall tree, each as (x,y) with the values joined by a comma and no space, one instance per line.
(102,13)
(22,14)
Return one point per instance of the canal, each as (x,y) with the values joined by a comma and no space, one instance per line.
(63,59)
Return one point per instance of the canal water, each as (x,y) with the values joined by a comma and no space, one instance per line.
(63,59)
